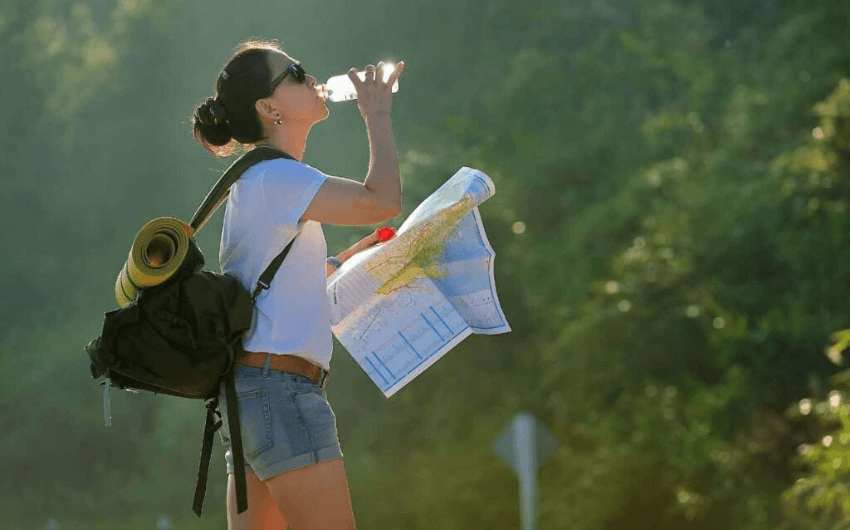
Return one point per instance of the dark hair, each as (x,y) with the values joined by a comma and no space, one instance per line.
(230,116)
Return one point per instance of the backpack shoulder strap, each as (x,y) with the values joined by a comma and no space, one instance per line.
(221,189)
(265,278)
(210,427)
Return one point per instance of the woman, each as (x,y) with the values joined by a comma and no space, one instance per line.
(292,454)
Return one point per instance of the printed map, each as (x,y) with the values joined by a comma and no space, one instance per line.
(400,306)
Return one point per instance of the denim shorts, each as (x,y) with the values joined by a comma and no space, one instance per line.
(286,422)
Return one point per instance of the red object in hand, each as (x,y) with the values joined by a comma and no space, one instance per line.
(385,234)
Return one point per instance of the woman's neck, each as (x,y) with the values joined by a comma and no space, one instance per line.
(290,138)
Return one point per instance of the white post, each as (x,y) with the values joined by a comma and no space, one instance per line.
(525,451)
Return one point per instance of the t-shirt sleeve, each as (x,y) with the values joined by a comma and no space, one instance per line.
(288,189)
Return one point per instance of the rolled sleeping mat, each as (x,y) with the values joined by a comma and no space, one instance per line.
(157,253)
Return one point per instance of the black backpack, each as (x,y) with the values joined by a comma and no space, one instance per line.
(181,336)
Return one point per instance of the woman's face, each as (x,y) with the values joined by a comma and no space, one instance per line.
(296,102)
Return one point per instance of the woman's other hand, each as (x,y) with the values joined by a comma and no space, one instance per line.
(374,95)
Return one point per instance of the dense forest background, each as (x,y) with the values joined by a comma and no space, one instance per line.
(671,221)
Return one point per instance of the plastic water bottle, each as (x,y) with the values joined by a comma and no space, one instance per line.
(340,87)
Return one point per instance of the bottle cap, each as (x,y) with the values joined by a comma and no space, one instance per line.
(385,233)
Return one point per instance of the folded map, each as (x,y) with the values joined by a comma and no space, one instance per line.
(400,306)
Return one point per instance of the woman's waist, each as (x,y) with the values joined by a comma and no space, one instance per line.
(284,362)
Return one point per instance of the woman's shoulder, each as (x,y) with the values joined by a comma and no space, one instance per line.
(275,165)
(279,167)
(284,187)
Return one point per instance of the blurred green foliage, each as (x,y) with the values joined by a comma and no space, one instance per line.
(671,224)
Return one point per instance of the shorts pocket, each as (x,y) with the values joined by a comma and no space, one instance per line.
(318,418)
(256,422)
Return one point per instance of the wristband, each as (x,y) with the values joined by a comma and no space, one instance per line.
(334,262)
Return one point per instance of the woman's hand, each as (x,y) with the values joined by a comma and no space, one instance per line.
(369,241)
(374,96)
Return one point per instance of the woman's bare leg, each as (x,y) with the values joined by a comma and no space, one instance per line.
(315,497)
(262,513)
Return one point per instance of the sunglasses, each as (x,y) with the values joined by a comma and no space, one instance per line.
(297,72)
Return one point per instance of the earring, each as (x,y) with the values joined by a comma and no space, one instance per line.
(277,122)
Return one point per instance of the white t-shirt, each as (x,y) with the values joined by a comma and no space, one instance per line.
(260,219)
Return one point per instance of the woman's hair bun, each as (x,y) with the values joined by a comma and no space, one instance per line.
(211,112)
(210,122)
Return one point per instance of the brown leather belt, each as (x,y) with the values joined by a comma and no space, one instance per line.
(285,363)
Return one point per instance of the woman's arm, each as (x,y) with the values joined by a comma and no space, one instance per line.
(343,201)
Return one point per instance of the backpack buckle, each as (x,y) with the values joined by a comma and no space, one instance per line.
(261,286)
